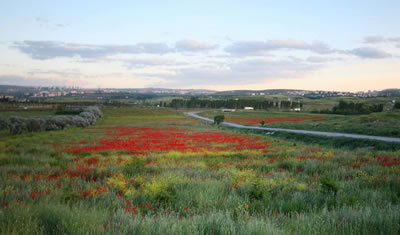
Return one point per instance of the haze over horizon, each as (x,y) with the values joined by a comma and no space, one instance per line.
(217,45)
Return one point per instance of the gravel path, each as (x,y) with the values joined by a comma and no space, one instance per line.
(321,133)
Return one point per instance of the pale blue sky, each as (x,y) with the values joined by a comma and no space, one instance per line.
(201,44)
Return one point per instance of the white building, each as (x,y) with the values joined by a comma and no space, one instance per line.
(248,108)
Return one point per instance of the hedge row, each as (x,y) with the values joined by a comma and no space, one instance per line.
(19,125)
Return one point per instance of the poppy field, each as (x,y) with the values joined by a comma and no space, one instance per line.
(155,171)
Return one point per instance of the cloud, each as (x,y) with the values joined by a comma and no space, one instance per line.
(369,52)
(241,72)
(140,63)
(66,73)
(262,47)
(380,39)
(42,50)
(192,45)
(396,39)
(318,59)
(374,39)
(35,81)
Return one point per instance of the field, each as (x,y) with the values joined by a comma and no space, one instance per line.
(379,124)
(154,171)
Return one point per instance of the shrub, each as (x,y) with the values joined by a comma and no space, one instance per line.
(4,124)
(218,119)
(19,125)
(329,184)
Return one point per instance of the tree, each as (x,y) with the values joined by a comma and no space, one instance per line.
(218,119)
(397,105)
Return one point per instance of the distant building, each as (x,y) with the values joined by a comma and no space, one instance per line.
(248,108)
(53,94)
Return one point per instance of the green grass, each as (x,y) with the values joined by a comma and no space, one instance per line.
(279,191)
(378,124)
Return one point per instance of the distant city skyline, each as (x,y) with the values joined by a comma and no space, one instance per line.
(217,45)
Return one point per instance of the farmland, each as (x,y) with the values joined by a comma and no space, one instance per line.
(154,171)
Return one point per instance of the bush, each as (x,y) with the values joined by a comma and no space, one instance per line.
(4,124)
(397,105)
(19,125)
(329,184)
(219,119)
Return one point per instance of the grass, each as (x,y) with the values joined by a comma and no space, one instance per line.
(330,142)
(378,124)
(271,186)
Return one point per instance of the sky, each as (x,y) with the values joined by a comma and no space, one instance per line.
(336,45)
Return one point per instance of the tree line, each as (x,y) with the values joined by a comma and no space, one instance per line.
(18,125)
(348,108)
(230,104)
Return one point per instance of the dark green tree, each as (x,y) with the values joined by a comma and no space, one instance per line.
(218,119)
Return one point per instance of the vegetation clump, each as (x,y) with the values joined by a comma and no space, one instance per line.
(218,119)
(18,125)
(351,108)
(329,184)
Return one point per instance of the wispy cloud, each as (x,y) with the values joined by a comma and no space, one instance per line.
(37,81)
(42,50)
(380,39)
(369,52)
(319,59)
(150,62)
(192,45)
(374,39)
(241,72)
(65,73)
(262,47)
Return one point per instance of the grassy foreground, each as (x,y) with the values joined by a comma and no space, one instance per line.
(153,171)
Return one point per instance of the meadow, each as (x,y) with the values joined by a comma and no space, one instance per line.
(155,171)
(378,124)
